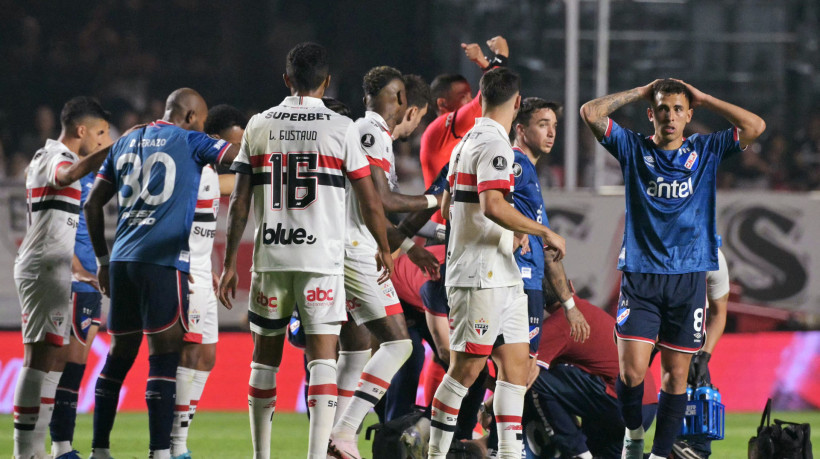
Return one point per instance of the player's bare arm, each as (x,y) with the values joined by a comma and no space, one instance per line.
(498,45)
(373,215)
(397,202)
(101,193)
(749,125)
(69,174)
(412,223)
(445,205)
(421,257)
(79,273)
(237,219)
(497,209)
(595,113)
(229,155)
(555,275)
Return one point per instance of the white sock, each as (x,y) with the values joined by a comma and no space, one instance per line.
(508,404)
(58,448)
(321,405)
(100,453)
(636,434)
(47,393)
(27,410)
(374,382)
(585,455)
(198,386)
(348,369)
(261,405)
(179,433)
(446,403)
(159,454)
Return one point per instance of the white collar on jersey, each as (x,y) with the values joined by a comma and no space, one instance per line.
(56,144)
(489,122)
(303,101)
(378,119)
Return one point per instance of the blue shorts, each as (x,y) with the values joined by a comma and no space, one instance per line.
(85,313)
(535,307)
(146,297)
(666,307)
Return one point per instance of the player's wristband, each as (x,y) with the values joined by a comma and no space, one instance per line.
(569,304)
(407,245)
(104,260)
(431,201)
(497,61)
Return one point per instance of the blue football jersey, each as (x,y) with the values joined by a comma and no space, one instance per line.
(670,200)
(82,244)
(156,172)
(528,200)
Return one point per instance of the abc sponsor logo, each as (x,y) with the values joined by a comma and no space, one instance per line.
(317,295)
(263,300)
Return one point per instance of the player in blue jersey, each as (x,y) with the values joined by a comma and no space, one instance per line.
(155,172)
(670,240)
(534,131)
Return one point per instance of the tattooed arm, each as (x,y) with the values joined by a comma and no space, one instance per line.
(237,219)
(596,112)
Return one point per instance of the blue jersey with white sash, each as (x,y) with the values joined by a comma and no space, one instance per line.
(156,172)
(528,200)
(670,200)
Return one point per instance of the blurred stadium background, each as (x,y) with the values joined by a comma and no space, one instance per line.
(762,55)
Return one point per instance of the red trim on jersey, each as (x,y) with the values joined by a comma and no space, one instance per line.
(478,349)
(500,185)
(261,393)
(499,418)
(735,134)
(260,160)
(57,169)
(160,123)
(330,162)
(192,338)
(55,340)
(447,409)
(205,203)
(322,389)
(466,179)
(635,338)
(222,152)
(72,193)
(359,173)
(26,409)
(346,393)
(608,127)
(688,350)
(451,181)
(380,163)
(374,380)
(101,176)
(393,309)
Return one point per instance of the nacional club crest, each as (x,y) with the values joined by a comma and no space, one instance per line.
(481,327)
(691,160)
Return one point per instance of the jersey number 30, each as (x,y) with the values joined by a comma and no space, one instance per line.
(158,167)
(301,185)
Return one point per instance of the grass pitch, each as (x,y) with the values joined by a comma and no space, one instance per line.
(227,435)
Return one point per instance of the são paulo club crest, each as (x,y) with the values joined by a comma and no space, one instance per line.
(481,327)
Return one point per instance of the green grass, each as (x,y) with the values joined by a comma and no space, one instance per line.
(226,435)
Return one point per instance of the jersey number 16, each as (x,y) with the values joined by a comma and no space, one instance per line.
(301,185)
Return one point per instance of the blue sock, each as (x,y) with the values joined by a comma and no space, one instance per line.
(65,403)
(631,400)
(160,395)
(671,409)
(107,397)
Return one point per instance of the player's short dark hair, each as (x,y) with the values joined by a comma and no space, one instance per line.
(337,106)
(377,78)
(670,86)
(221,117)
(306,66)
(442,84)
(530,105)
(78,108)
(418,92)
(499,85)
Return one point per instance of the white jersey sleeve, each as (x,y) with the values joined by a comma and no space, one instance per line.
(203,229)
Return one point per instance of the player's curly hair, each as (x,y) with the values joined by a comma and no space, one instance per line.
(418,92)
(307,66)
(81,107)
(670,86)
(377,78)
(336,105)
(499,85)
(221,117)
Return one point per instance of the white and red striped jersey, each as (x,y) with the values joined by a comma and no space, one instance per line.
(298,154)
(53,214)
(480,251)
(376,143)
(203,230)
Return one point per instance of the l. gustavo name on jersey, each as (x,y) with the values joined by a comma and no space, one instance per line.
(284,236)
(662,189)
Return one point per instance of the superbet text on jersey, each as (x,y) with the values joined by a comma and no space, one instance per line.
(297,154)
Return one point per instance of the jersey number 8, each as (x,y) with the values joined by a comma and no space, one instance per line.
(157,167)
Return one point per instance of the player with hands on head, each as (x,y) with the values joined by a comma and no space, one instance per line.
(670,240)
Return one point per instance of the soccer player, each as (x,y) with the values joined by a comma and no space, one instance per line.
(42,269)
(483,282)
(534,131)
(295,160)
(418,103)
(670,240)
(199,350)
(155,172)
(363,380)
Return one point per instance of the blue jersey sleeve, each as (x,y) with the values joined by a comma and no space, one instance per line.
(620,142)
(723,143)
(440,184)
(205,149)
(108,170)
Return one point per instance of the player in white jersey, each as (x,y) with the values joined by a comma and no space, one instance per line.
(294,161)
(42,269)
(484,288)
(199,351)
(364,380)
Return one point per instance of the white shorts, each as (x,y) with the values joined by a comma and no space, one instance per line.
(320,298)
(46,309)
(203,326)
(366,300)
(478,316)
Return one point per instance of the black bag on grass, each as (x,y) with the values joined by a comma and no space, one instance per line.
(387,442)
(783,440)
